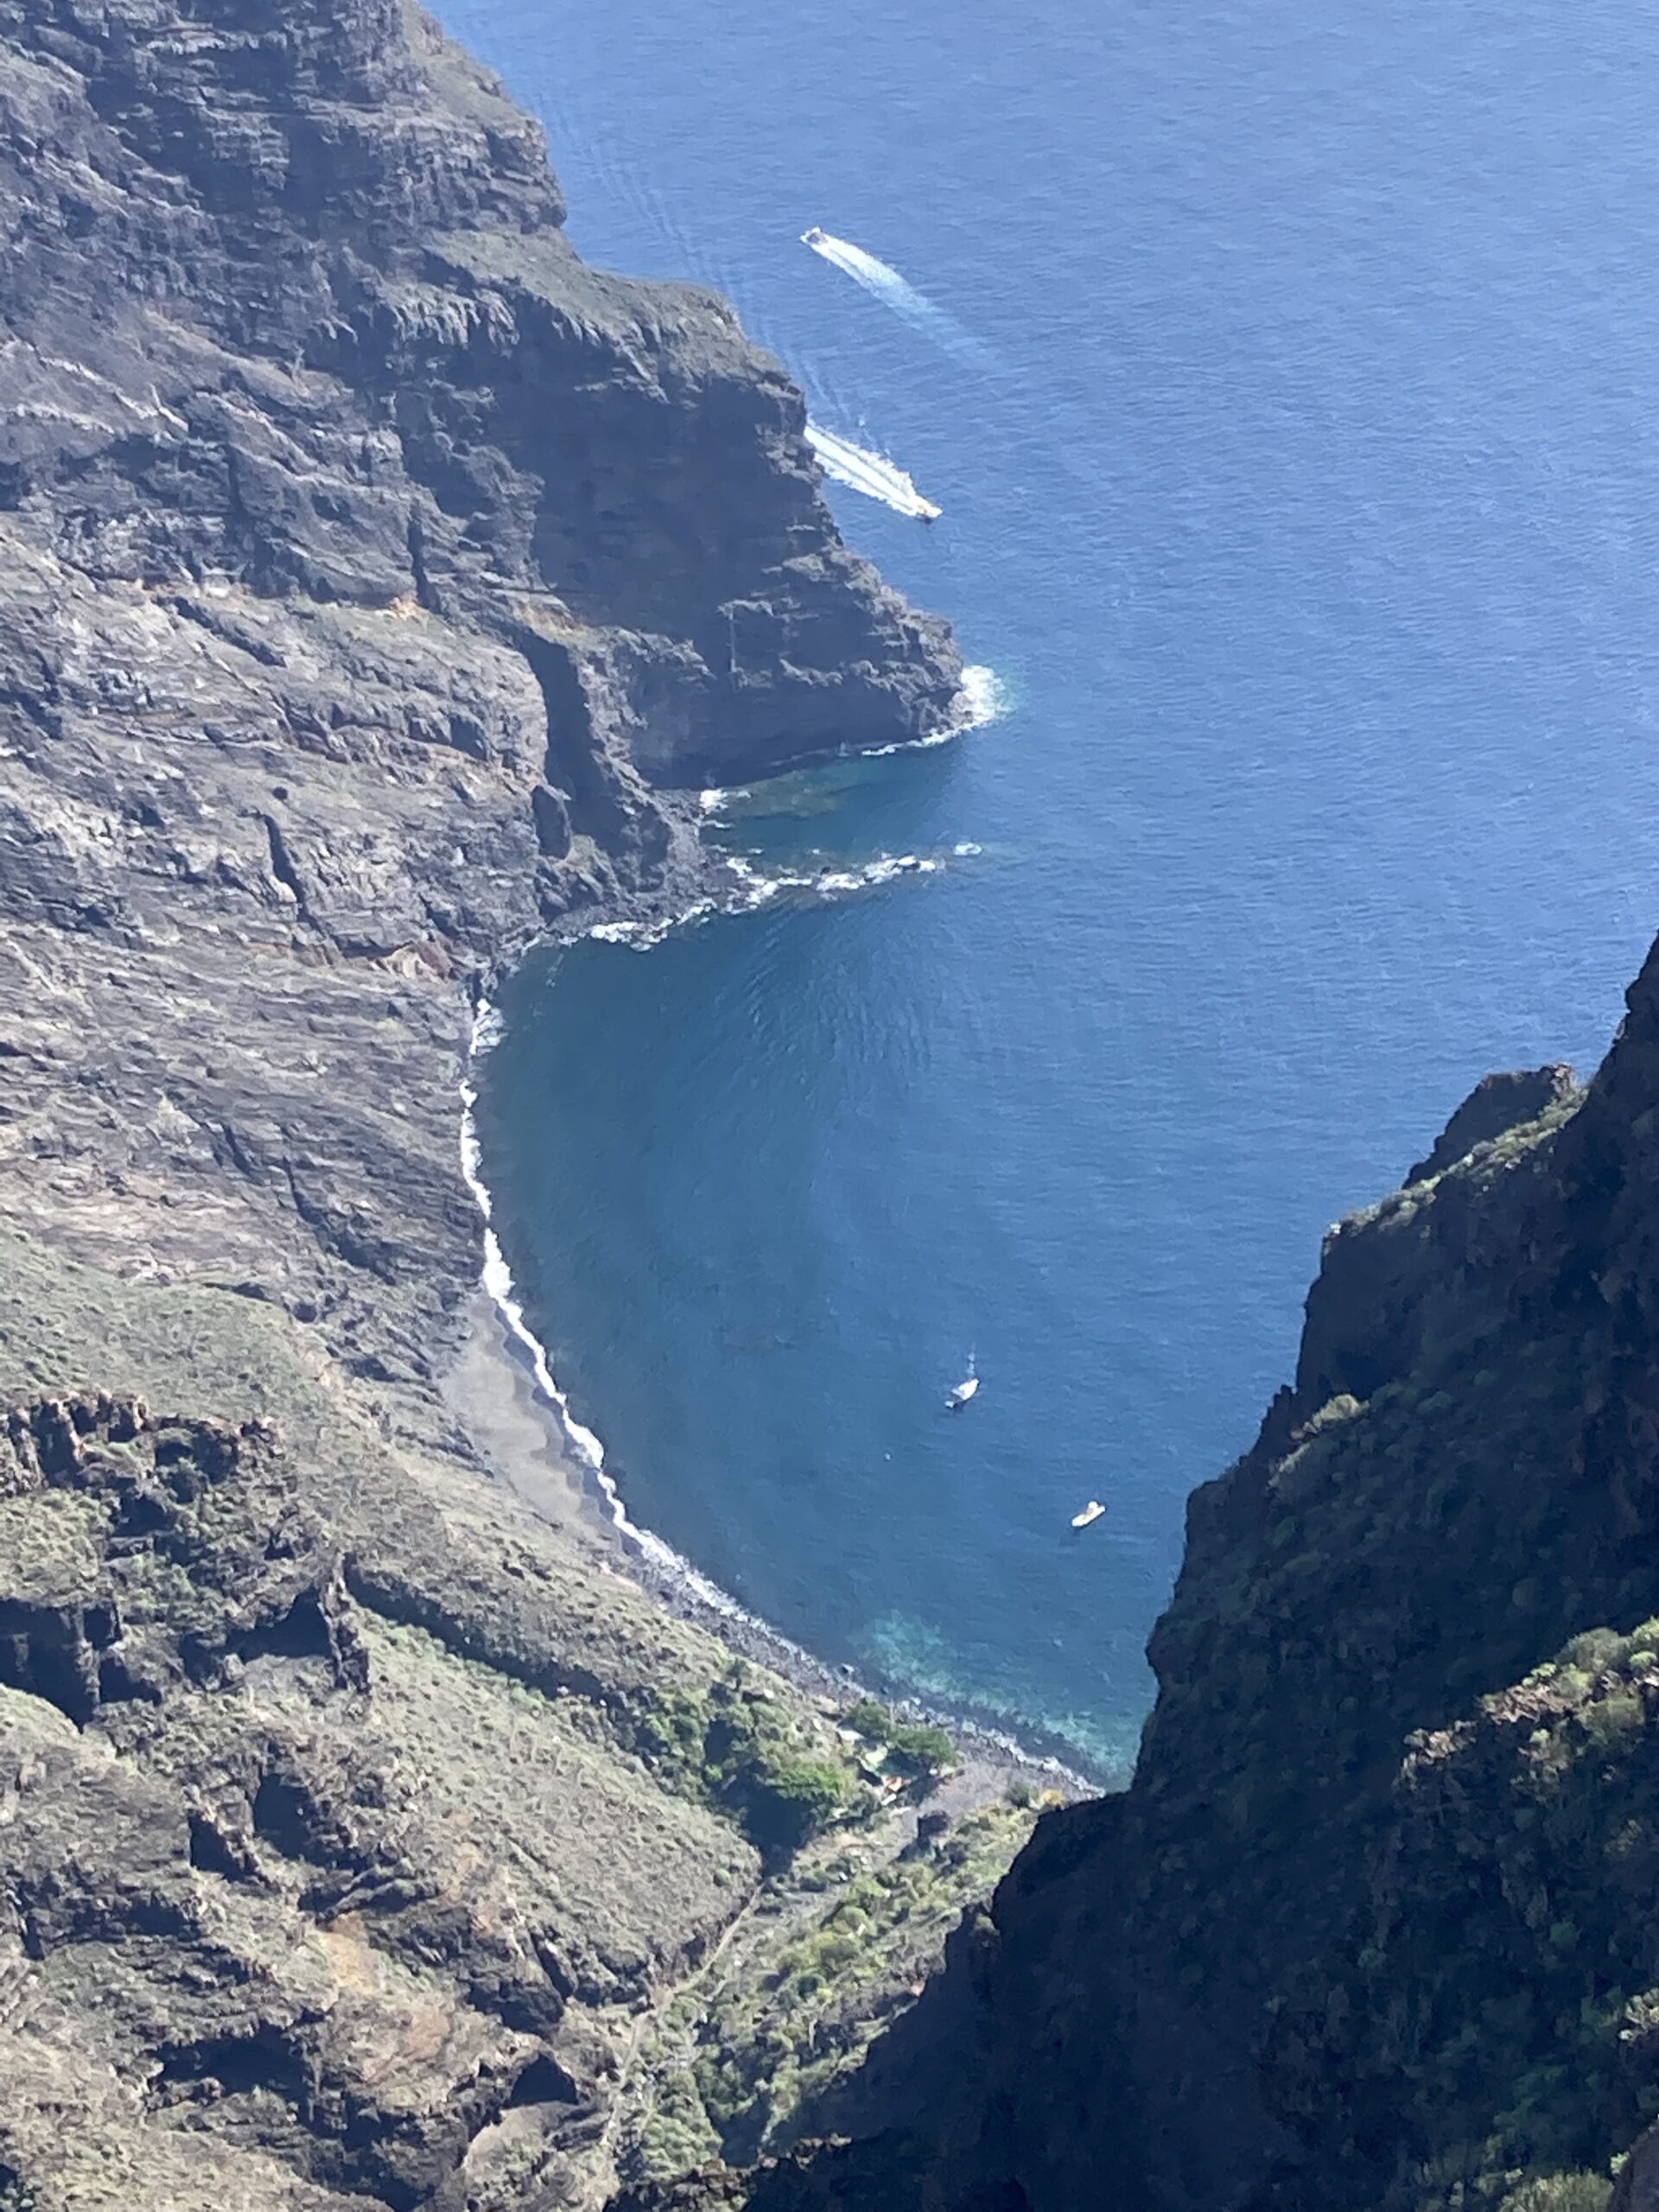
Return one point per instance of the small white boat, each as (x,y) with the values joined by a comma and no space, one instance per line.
(814,237)
(967,1388)
(873,473)
(1089,1514)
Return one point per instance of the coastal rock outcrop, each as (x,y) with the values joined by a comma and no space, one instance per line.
(297,1903)
(378,582)
(365,1841)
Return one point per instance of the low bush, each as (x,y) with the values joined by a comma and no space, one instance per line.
(915,1748)
(741,1750)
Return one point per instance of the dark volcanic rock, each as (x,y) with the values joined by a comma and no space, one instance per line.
(99,1498)
(294,1900)
(372,573)
(289,306)
(1496,1104)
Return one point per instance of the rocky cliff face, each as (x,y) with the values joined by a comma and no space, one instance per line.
(373,575)
(305,1904)
(374,580)
(1371,1927)
(289,307)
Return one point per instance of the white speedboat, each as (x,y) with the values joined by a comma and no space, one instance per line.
(967,1388)
(872,474)
(1089,1514)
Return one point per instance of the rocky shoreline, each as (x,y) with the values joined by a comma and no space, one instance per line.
(380,585)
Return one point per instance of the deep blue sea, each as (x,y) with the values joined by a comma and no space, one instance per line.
(1294,401)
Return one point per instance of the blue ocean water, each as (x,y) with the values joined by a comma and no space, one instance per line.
(1301,484)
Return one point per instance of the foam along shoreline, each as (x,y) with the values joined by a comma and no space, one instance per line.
(584,1444)
(873,473)
(752,889)
(671,1576)
(982,699)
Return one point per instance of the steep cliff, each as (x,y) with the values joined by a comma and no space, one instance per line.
(311,1868)
(375,579)
(374,575)
(1372,1925)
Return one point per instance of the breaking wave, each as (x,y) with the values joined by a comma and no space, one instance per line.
(753,888)
(872,474)
(983,696)
(831,882)
(897,293)
(981,699)
(979,702)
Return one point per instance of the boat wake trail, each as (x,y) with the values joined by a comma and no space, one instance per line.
(872,474)
(902,296)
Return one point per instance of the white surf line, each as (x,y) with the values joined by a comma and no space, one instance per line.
(830,882)
(497,1280)
(872,474)
(982,699)
(887,285)
(643,935)
(497,1277)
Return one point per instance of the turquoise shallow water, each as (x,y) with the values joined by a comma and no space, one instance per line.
(1301,482)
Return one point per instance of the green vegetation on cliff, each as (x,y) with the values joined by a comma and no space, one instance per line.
(744,2060)
(736,1747)
(911,1747)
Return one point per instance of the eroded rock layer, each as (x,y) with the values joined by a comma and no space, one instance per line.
(300,1903)
(373,574)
